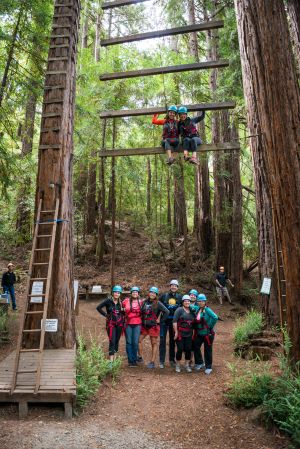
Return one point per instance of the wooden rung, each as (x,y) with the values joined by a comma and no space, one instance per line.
(56,72)
(50,147)
(36,295)
(56,16)
(68,5)
(45,235)
(159,110)
(118,3)
(226,146)
(56,25)
(203,26)
(40,263)
(29,350)
(60,86)
(47,211)
(42,249)
(51,114)
(38,279)
(46,222)
(54,100)
(282,280)
(283,295)
(59,46)
(34,312)
(59,58)
(31,330)
(50,130)
(161,70)
(61,36)
(27,371)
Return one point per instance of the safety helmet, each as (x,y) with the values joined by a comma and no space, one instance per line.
(153,290)
(182,110)
(186,298)
(117,288)
(134,289)
(201,297)
(193,292)
(174,282)
(172,108)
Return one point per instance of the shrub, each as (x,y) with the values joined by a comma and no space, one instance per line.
(250,324)
(91,368)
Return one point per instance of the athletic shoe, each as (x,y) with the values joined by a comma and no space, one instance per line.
(193,160)
(140,359)
(208,371)
(171,160)
(161,365)
(188,368)
(177,368)
(172,363)
(199,367)
(151,365)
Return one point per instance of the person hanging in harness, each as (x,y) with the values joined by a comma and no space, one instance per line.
(153,313)
(132,307)
(170,136)
(183,333)
(221,280)
(205,321)
(189,134)
(171,300)
(114,320)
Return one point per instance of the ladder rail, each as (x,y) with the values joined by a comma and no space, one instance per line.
(46,300)
(17,358)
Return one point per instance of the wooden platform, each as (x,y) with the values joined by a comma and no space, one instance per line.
(58,379)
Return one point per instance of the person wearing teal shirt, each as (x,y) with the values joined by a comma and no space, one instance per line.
(204,323)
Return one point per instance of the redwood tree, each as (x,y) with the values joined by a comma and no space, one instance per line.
(273,100)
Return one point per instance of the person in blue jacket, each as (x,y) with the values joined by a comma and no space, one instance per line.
(171,300)
(205,320)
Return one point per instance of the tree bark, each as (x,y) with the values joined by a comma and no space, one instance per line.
(268,71)
(293,8)
(149,182)
(102,211)
(54,178)
(98,27)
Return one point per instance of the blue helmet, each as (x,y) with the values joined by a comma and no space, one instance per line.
(201,297)
(153,290)
(182,110)
(117,288)
(193,292)
(172,108)
(134,289)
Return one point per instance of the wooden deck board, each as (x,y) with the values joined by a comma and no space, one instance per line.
(58,377)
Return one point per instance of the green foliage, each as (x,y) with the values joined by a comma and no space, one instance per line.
(3,320)
(250,324)
(92,367)
(250,387)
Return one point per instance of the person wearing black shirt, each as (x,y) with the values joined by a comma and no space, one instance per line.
(114,320)
(183,333)
(221,281)
(171,300)
(7,283)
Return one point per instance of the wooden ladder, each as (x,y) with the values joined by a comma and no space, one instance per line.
(281,283)
(45,246)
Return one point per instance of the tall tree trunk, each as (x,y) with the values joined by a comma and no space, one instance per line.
(113,212)
(10,56)
(54,178)
(169,212)
(293,7)
(98,32)
(149,182)
(180,219)
(268,71)
(102,210)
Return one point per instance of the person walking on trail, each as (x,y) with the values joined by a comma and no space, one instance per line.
(114,320)
(7,283)
(171,300)
(204,323)
(221,280)
(153,313)
(132,307)
(183,333)
(170,137)
(189,134)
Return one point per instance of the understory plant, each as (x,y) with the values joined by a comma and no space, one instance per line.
(251,323)
(92,367)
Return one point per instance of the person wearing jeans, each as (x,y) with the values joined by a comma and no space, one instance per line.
(132,307)
(7,283)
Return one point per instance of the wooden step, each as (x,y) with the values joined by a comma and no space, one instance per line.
(31,330)
(36,295)
(42,249)
(59,46)
(57,25)
(34,312)
(44,235)
(40,263)
(47,211)
(159,110)
(162,70)
(50,147)
(118,3)
(27,371)
(203,26)
(60,86)
(59,36)
(226,146)
(50,115)
(50,130)
(29,350)
(46,223)
(38,279)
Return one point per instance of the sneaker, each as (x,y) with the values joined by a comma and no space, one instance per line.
(193,160)
(188,368)
(208,371)
(140,359)
(177,368)
(186,158)
(172,363)
(171,160)
(161,365)
(151,365)
(15,308)
(199,367)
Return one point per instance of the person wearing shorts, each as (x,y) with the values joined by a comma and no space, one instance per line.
(221,280)
(153,312)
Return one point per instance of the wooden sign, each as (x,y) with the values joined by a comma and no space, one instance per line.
(97,289)
(266,286)
(37,287)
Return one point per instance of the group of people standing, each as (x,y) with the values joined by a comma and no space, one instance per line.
(178,128)
(187,319)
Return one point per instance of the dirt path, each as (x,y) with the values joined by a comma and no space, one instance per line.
(153,409)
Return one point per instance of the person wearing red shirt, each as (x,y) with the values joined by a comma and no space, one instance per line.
(132,308)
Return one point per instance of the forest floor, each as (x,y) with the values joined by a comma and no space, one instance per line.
(153,409)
